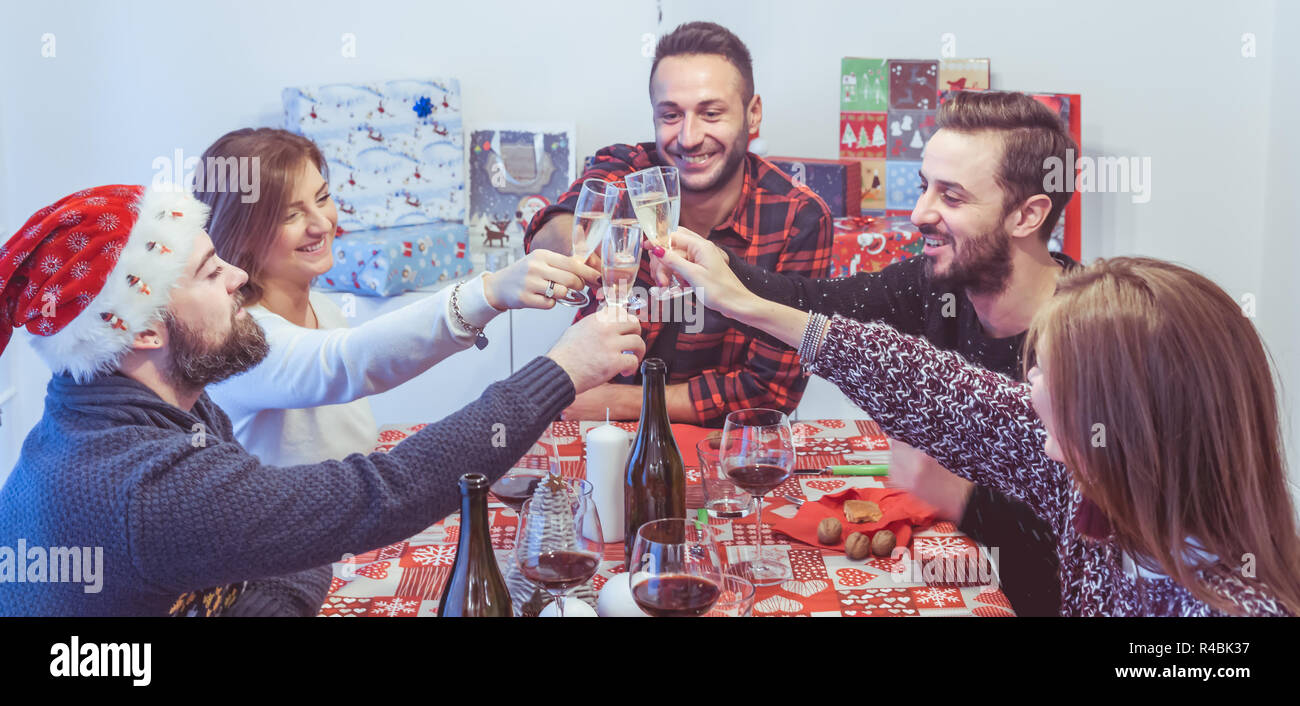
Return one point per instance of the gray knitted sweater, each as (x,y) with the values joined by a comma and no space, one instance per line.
(111,465)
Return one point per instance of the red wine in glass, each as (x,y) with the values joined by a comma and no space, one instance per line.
(514,488)
(560,570)
(758,479)
(676,595)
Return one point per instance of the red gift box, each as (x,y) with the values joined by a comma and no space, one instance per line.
(869,244)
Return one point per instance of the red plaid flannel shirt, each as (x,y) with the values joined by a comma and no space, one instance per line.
(778,225)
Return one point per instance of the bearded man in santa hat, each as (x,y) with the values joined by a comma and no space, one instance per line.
(134,313)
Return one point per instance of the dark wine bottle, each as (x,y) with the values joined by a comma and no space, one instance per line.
(654,484)
(475,587)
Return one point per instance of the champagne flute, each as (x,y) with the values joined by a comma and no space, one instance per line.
(560,542)
(758,455)
(591,217)
(658,207)
(675,568)
(620,262)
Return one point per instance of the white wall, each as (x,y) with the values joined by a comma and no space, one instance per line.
(136,80)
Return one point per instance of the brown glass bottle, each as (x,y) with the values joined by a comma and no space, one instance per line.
(475,587)
(654,484)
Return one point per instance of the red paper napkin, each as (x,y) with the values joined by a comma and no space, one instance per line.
(687,437)
(900,511)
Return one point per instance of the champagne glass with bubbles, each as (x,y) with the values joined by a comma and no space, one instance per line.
(591,218)
(656,199)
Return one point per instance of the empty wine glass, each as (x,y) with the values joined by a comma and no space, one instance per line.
(675,568)
(758,455)
(560,543)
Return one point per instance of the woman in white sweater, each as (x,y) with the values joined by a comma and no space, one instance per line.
(307,401)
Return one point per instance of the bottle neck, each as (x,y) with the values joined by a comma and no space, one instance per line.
(474,531)
(652,397)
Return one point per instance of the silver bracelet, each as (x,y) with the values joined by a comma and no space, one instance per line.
(480,341)
(812,336)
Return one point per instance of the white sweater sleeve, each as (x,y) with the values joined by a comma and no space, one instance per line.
(313,367)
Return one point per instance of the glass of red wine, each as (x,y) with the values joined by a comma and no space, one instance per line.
(560,543)
(517,486)
(758,455)
(675,568)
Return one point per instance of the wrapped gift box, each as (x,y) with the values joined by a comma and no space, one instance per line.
(837,181)
(869,244)
(388,261)
(395,150)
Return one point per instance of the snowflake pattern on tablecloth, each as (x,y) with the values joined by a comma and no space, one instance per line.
(807,565)
(434,555)
(393,607)
(943,547)
(935,597)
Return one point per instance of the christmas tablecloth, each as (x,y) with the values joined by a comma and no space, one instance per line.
(406,579)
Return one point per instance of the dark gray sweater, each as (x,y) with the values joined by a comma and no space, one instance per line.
(111,465)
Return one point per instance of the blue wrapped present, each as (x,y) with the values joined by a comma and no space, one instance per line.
(387,261)
(395,149)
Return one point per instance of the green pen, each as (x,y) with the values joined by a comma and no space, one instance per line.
(877,469)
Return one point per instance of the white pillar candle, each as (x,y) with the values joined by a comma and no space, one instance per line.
(607,448)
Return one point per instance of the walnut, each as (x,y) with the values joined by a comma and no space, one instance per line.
(883,543)
(829,531)
(857,546)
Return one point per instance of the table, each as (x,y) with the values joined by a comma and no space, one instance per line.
(406,579)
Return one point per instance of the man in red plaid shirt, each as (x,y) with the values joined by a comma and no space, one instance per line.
(705,112)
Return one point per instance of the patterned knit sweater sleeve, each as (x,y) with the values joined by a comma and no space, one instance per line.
(974,422)
(212,513)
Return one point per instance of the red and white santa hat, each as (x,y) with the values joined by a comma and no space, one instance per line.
(89,272)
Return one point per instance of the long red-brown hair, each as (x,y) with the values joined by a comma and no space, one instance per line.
(243,231)
(1178,380)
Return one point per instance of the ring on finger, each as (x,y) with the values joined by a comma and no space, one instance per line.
(550,289)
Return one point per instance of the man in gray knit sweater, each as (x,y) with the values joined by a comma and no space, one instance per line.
(131,495)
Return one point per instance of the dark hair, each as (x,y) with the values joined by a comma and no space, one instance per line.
(243,232)
(707,38)
(1031,134)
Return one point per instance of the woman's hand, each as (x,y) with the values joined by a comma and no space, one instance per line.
(922,476)
(703,266)
(523,284)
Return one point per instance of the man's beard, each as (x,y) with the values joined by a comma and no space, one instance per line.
(194,364)
(735,160)
(981,266)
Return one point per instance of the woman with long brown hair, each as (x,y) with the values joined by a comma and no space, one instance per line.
(306,401)
(1147,435)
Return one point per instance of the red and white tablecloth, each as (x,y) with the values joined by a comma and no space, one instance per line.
(406,579)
